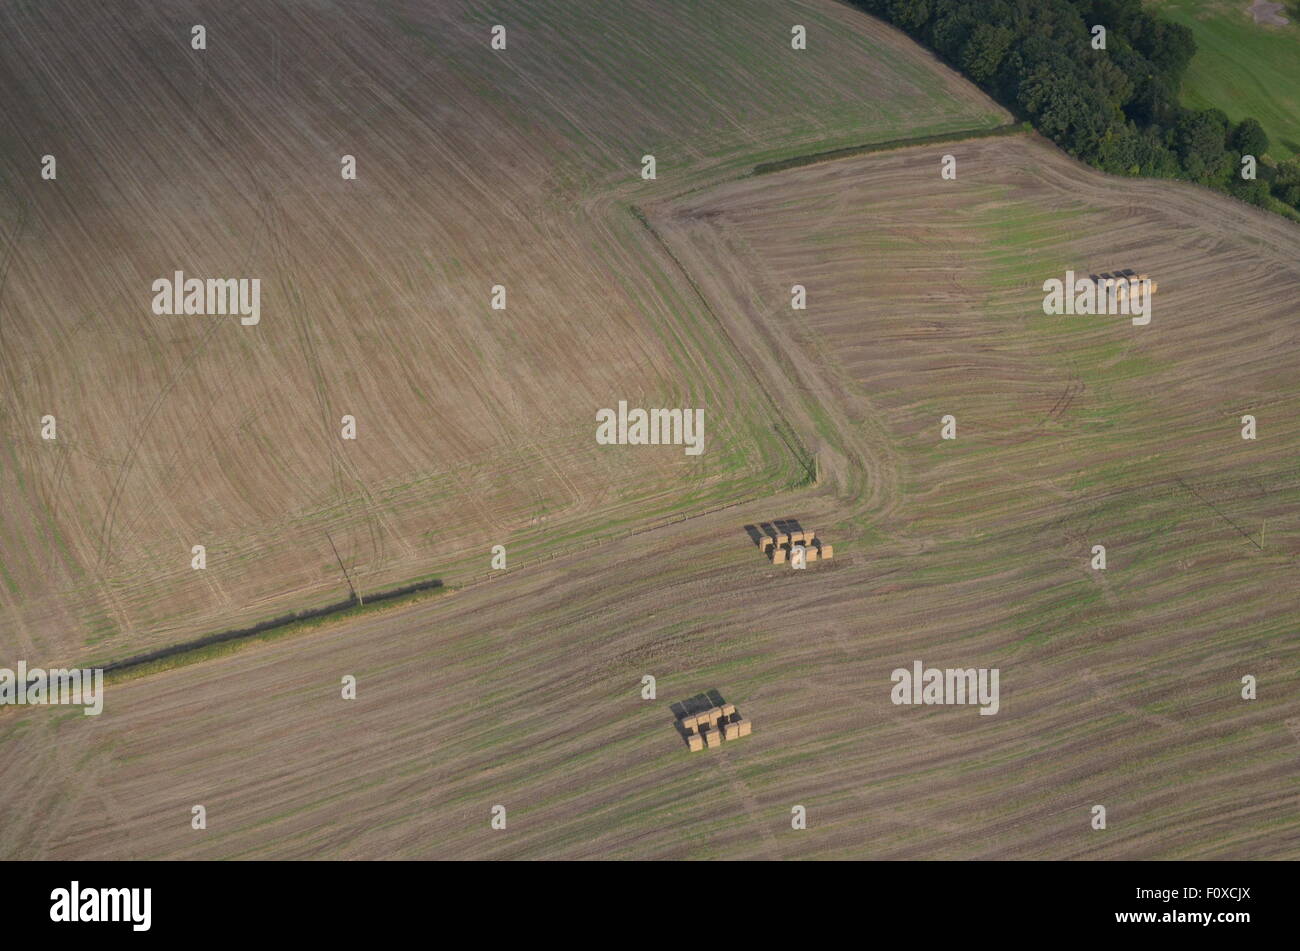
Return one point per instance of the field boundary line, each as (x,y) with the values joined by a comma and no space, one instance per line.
(850,151)
(803,457)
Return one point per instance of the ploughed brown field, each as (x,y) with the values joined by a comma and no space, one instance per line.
(1118,687)
(475,168)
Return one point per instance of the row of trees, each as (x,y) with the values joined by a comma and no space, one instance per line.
(1116,108)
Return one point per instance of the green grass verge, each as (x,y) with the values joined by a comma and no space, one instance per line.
(1244,68)
(798,161)
(184,656)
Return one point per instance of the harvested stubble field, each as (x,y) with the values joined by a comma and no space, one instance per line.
(1119,688)
(475,168)
(526,693)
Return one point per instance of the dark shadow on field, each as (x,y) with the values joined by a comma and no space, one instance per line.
(780,526)
(430,585)
(270,625)
(787,525)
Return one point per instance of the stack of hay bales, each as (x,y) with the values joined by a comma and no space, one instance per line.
(734,726)
(714,726)
(694,741)
(780,546)
(1125,284)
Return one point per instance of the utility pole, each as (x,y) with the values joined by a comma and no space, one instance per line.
(355,596)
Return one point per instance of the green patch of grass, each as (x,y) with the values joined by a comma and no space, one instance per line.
(1244,68)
